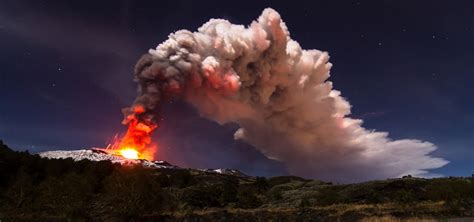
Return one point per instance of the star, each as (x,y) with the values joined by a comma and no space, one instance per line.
(380,43)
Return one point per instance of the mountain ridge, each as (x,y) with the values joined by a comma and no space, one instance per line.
(99,154)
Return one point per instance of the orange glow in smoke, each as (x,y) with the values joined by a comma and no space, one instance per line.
(136,143)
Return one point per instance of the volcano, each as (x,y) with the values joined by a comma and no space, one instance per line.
(100,154)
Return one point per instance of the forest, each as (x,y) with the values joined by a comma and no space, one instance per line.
(38,189)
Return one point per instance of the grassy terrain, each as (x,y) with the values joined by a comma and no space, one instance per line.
(37,189)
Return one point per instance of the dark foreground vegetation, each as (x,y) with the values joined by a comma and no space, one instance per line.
(37,189)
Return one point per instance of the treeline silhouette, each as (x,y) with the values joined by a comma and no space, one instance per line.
(38,189)
(35,188)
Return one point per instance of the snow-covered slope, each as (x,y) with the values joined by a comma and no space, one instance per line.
(97,154)
(232,172)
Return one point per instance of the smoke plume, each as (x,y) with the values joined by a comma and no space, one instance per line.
(279,95)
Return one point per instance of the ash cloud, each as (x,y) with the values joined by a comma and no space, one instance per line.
(279,95)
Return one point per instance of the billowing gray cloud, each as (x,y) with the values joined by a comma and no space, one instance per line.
(279,95)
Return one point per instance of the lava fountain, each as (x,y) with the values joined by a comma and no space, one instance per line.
(130,153)
(137,142)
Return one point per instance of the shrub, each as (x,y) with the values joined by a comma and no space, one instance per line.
(182,179)
(276,194)
(304,203)
(229,191)
(247,199)
(68,195)
(202,196)
(261,184)
(131,192)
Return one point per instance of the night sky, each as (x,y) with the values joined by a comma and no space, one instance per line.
(66,72)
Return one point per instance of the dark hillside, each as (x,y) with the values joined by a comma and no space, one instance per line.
(37,189)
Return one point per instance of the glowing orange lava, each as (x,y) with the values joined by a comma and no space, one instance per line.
(136,143)
(130,153)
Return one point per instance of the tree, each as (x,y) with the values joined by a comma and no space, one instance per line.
(261,184)
(182,179)
(247,199)
(20,193)
(276,194)
(202,196)
(229,190)
(130,193)
(304,203)
(68,196)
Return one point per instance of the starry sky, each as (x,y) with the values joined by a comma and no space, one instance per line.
(66,72)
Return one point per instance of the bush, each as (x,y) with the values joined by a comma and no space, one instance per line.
(304,203)
(164,180)
(450,189)
(229,191)
(182,179)
(276,194)
(274,181)
(20,194)
(261,184)
(329,196)
(68,195)
(202,196)
(130,193)
(405,197)
(247,199)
